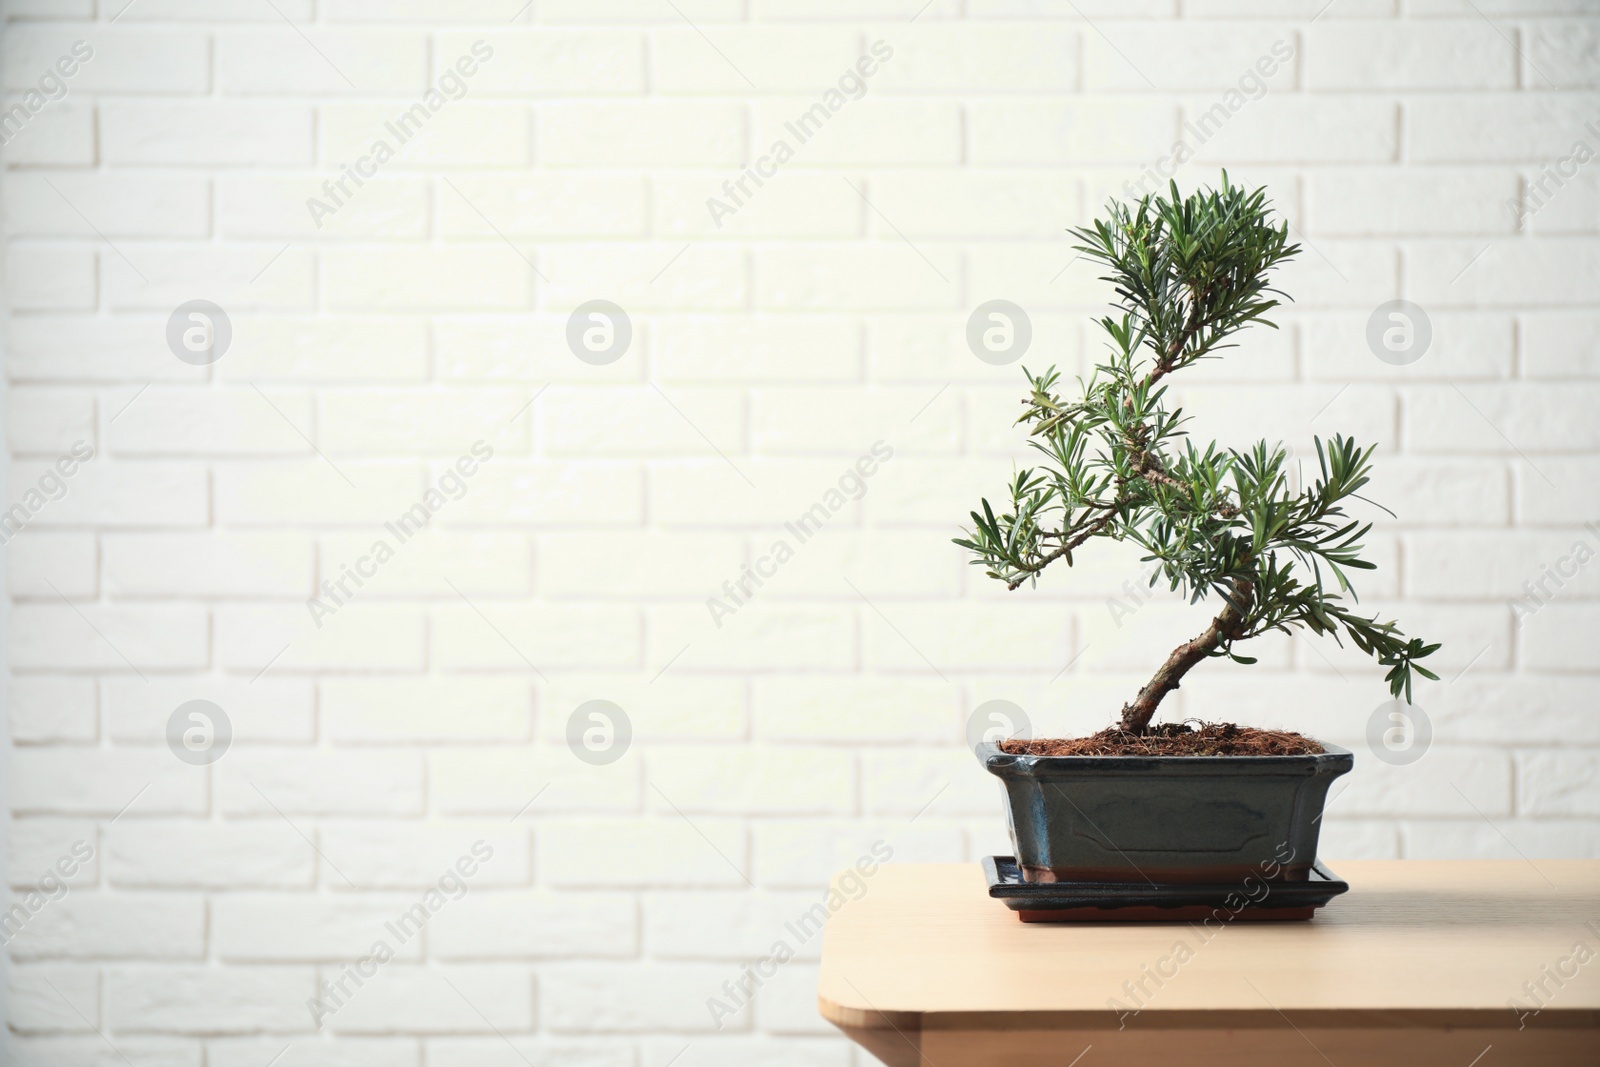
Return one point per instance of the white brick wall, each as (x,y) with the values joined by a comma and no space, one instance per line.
(429,712)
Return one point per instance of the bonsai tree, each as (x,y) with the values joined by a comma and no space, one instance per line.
(1189,272)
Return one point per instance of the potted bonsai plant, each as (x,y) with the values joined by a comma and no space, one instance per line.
(1174,803)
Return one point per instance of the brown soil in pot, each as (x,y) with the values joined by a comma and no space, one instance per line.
(1173,739)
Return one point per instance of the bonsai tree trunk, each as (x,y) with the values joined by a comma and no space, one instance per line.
(1226,626)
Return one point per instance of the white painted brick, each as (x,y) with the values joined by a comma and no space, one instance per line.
(53,999)
(416,999)
(488,925)
(124,493)
(479,349)
(735,926)
(1280,129)
(359,1051)
(631,998)
(314,492)
(1072,131)
(967,637)
(1247,59)
(1473,566)
(268,782)
(384,422)
(554,636)
(208,1000)
(927,783)
(259,709)
(1463,346)
(238,278)
(873,131)
(1561,53)
(101,781)
(783,781)
(786,59)
(44,278)
(169,133)
(1561,344)
(391,278)
(635,564)
(1287,8)
(1472,838)
(1461,128)
(1500,419)
(124,58)
(1571,494)
(1560,637)
(280,206)
(734,1050)
(116,637)
(536,780)
(61,348)
(547,62)
(787,1005)
(61,134)
(806,854)
(549,494)
(1003,204)
(609,421)
(91,925)
(933,349)
(896,564)
(1381,55)
(199,422)
(640,133)
(191,854)
(1363,201)
(1545,273)
(284,61)
(693,277)
(49,421)
(465,133)
(142,1051)
(795,203)
(214,11)
(802,708)
(207,564)
(428,563)
(410,709)
(850,420)
(412,10)
(39,850)
(118,203)
(799,10)
(665,708)
(1557,783)
(877,276)
(550,204)
(759,636)
(1444,782)
(631,852)
(509,1050)
(395,855)
(760,348)
(371,636)
(325,349)
(1443,492)
(52,707)
(979,58)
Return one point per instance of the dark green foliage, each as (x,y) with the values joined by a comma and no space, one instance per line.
(1188,273)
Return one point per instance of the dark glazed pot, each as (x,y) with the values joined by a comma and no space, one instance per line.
(1165,818)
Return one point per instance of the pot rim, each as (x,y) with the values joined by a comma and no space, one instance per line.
(992,757)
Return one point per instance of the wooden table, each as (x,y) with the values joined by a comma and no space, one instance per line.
(1419,964)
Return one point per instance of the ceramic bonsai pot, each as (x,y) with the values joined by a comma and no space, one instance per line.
(1165,819)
